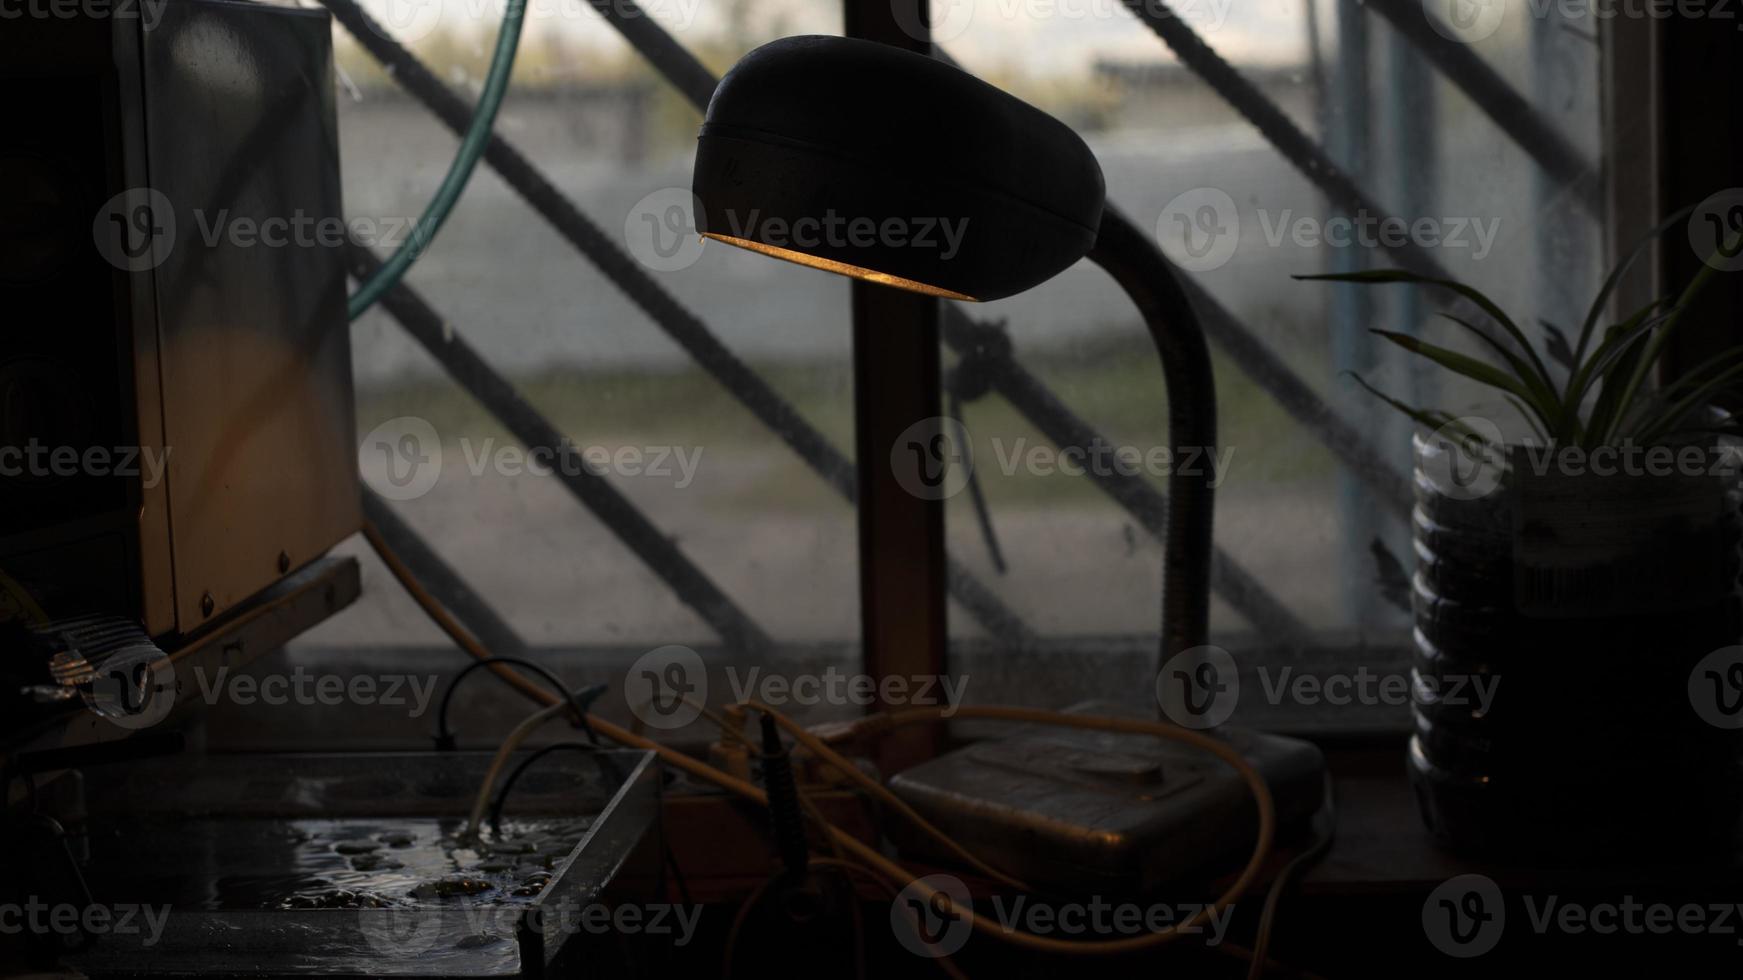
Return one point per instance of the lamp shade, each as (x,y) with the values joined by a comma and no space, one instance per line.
(887,165)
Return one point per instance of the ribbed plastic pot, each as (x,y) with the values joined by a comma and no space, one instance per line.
(1586,612)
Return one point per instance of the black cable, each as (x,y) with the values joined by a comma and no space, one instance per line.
(787,822)
(1288,876)
(677,872)
(605,761)
(445,737)
(967,382)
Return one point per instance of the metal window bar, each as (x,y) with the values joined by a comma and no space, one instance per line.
(991,349)
(595,492)
(696,83)
(1288,389)
(1390,487)
(1244,593)
(1295,146)
(1275,378)
(442,581)
(1040,406)
(690,333)
(1498,100)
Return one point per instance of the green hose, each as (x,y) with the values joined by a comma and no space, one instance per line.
(459,172)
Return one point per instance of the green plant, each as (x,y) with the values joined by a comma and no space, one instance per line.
(1601,401)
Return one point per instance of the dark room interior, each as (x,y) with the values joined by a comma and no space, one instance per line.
(988,489)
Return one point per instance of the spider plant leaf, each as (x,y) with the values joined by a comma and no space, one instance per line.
(1536,429)
(1616,343)
(1484,303)
(1659,415)
(1431,418)
(1547,402)
(1557,346)
(1434,420)
(1706,369)
(1469,367)
(1610,404)
(1656,427)
(1655,346)
(1616,274)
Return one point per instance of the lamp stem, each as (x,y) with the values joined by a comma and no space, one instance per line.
(1134,261)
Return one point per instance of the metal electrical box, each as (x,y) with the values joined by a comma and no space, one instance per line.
(176,414)
(1105,813)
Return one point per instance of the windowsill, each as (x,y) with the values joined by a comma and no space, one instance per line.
(1336,692)
(1383,846)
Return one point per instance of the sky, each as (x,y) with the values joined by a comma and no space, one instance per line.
(1039,37)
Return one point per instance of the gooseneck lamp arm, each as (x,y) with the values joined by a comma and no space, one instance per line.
(1134,261)
(802,131)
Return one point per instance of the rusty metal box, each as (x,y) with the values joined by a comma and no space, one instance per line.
(1104,813)
(171,266)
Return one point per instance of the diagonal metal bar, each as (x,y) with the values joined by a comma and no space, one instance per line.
(673,61)
(1142,501)
(1391,488)
(738,378)
(615,511)
(1045,411)
(1295,146)
(442,580)
(990,348)
(1285,387)
(1302,152)
(1249,353)
(1498,100)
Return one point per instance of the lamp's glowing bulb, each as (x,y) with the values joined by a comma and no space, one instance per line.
(840,268)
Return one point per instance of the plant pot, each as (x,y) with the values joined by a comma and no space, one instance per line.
(1584,604)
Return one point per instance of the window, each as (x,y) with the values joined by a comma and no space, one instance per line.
(1313,473)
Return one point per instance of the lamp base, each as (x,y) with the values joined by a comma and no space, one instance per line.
(1104,813)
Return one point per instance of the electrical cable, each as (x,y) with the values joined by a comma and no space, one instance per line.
(668,860)
(1299,864)
(849,868)
(577,704)
(817,747)
(739,918)
(515,774)
(882,722)
(869,855)
(751,901)
(393,270)
(459,171)
(786,819)
(444,620)
(1267,817)
(678,878)
(519,734)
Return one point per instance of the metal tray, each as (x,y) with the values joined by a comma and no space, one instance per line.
(206,841)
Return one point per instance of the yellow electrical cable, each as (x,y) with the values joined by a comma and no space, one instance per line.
(876,723)
(500,760)
(445,622)
(1261,796)
(816,746)
(889,889)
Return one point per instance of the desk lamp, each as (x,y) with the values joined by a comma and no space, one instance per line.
(889,166)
